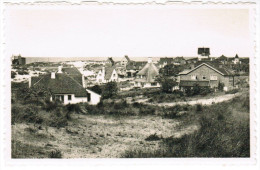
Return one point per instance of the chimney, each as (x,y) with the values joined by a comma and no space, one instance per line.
(60,69)
(52,75)
(150,60)
(83,81)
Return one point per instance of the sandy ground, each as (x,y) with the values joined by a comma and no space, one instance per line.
(206,101)
(92,136)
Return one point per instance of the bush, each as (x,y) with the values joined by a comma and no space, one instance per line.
(73,108)
(220,86)
(55,154)
(28,114)
(58,118)
(50,106)
(110,90)
(172,112)
(153,137)
(13,74)
(199,107)
(233,91)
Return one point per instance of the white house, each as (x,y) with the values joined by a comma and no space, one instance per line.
(125,60)
(107,74)
(146,78)
(236,60)
(65,88)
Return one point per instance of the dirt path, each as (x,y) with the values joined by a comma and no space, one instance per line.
(210,101)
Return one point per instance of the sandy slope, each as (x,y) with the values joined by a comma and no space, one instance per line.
(92,136)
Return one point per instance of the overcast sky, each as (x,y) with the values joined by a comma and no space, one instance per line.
(125,30)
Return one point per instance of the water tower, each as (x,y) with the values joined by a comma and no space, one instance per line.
(203,53)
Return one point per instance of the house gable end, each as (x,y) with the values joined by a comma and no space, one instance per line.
(203,64)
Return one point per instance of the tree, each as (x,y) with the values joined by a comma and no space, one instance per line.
(110,90)
(13,74)
(171,70)
(166,83)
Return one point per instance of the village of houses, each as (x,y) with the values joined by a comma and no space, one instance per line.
(95,132)
(75,78)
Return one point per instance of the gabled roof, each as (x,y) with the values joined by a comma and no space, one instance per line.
(110,60)
(188,83)
(179,59)
(108,72)
(71,70)
(221,69)
(62,84)
(150,71)
(222,57)
(135,65)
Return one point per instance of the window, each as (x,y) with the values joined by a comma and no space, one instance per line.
(204,77)
(89,96)
(59,97)
(69,97)
(114,75)
(212,77)
(153,84)
(193,77)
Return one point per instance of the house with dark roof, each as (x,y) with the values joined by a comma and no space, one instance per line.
(125,60)
(75,74)
(192,60)
(165,61)
(146,77)
(109,62)
(65,88)
(107,74)
(133,67)
(207,74)
(179,61)
(236,60)
(18,60)
(223,59)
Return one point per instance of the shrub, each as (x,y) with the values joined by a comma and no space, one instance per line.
(172,112)
(50,106)
(198,107)
(55,154)
(13,74)
(233,91)
(109,90)
(28,114)
(73,108)
(153,137)
(220,86)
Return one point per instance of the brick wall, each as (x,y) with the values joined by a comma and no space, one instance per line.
(207,72)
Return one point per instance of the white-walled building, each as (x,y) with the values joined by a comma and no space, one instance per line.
(107,74)
(146,78)
(65,88)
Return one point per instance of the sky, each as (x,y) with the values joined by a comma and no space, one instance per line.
(136,31)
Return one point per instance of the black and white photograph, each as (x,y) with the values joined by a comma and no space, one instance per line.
(130,81)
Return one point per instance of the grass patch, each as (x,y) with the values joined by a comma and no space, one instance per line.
(21,150)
